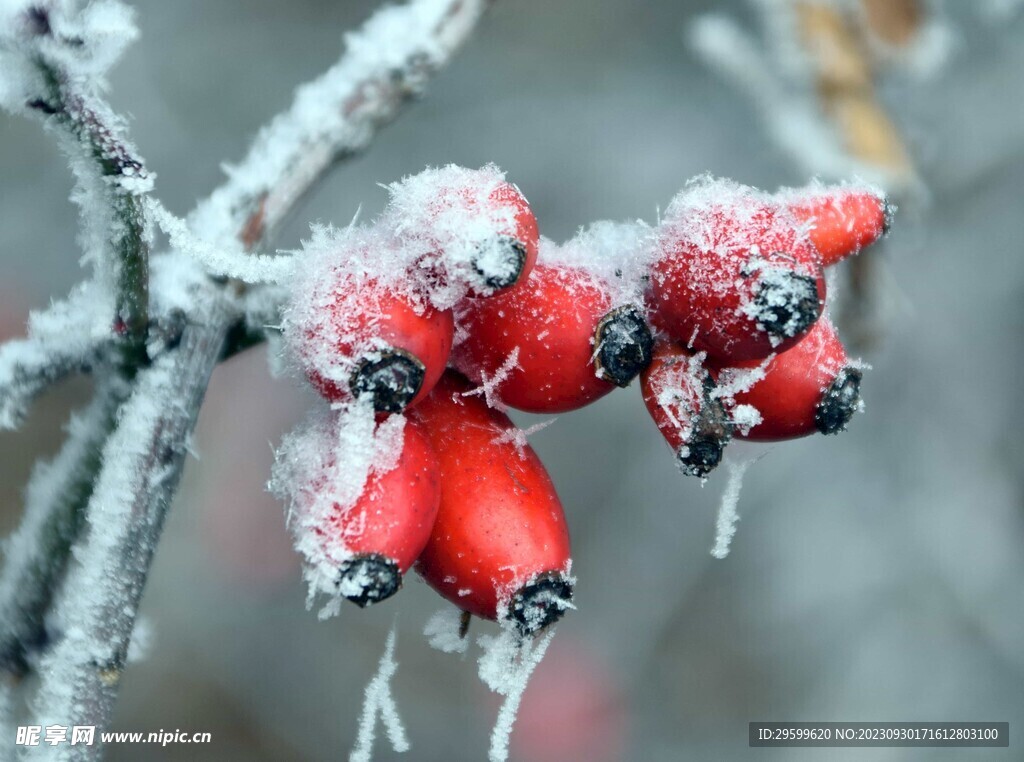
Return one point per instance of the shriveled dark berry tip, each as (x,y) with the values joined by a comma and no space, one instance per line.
(888,213)
(540,602)
(500,262)
(393,378)
(839,402)
(368,578)
(624,345)
(711,433)
(787,304)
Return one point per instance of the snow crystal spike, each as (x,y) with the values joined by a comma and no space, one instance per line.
(625,345)
(378,578)
(788,304)
(540,602)
(394,380)
(839,402)
(512,264)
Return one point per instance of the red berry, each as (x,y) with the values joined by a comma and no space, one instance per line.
(809,387)
(677,391)
(844,220)
(500,545)
(378,537)
(573,345)
(367,338)
(733,276)
(471,227)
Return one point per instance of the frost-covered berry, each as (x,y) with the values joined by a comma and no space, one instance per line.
(842,220)
(811,387)
(357,335)
(555,342)
(678,393)
(500,545)
(363,501)
(467,230)
(734,273)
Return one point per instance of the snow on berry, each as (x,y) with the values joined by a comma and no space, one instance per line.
(734,272)
(678,393)
(811,387)
(465,230)
(362,500)
(358,325)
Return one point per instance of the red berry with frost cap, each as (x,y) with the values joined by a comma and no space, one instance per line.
(471,227)
(843,220)
(373,541)
(811,387)
(500,545)
(733,274)
(678,393)
(359,336)
(570,342)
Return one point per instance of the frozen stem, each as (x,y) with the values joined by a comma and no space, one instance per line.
(37,553)
(27,368)
(336,116)
(107,169)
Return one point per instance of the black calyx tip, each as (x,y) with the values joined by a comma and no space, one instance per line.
(541,602)
(368,578)
(624,345)
(711,433)
(787,303)
(839,402)
(888,213)
(394,379)
(500,262)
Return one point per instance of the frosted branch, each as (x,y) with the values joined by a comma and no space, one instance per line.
(335,116)
(27,368)
(141,466)
(36,553)
(68,337)
(111,182)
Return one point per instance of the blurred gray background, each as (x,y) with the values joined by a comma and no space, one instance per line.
(875,576)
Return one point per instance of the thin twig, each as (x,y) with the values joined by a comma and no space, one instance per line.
(336,116)
(27,368)
(107,167)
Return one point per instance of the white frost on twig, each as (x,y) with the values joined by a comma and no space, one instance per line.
(100,30)
(379,702)
(389,59)
(227,259)
(96,601)
(60,339)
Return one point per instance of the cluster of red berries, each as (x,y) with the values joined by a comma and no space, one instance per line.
(423,328)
